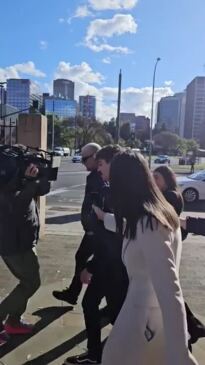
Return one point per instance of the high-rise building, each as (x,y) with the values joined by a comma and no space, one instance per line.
(127,118)
(18,93)
(142,123)
(62,108)
(194,124)
(2,95)
(64,89)
(87,106)
(136,123)
(170,112)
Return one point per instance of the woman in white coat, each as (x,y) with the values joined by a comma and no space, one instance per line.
(151,328)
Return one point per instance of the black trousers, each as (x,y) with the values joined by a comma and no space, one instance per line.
(114,289)
(84,252)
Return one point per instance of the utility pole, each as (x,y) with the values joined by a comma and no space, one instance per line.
(152,113)
(117,133)
(53,129)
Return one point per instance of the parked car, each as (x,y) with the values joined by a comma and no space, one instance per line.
(66,151)
(59,151)
(162,159)
(76,158)
(192,186)
(62,151)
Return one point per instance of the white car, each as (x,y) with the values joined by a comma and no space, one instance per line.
(59,151)
(76,158)
(192,187)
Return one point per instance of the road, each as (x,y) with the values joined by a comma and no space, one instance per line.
(68,190)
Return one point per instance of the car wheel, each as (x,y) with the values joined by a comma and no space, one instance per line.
(190,195)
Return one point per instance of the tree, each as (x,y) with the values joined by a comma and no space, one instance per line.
(110,127)
(167,141)
(192,145)
(125,131)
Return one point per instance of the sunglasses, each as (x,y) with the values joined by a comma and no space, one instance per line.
(84,159)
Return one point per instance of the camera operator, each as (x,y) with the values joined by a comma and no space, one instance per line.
(19,232)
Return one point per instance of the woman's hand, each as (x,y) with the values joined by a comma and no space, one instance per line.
(99,212)
(85,277)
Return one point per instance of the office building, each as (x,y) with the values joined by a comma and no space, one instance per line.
(87,106)
(127,118)
(136,123)
(194,124)
(64,89)
(170,112)
(61,108)
(18,93)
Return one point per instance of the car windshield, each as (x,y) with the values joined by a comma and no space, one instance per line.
(198,175)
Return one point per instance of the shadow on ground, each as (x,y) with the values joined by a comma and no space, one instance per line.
(63,219)
(66,346)
(48,315)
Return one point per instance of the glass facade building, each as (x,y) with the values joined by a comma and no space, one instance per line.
(64,89)
(169,112)
(194,125)
(87,106)
(62,108)
(18,93)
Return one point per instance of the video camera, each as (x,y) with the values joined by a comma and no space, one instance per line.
(14,161)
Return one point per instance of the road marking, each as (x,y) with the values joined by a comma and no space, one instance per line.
(63,190)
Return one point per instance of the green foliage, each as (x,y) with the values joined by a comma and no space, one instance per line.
(167,141)
(75,133)
(125,131)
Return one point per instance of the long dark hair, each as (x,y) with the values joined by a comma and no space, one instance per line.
(168,176)
(135,194)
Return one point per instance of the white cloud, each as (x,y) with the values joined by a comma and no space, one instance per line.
(134,100)
(82,72)
(61,20)
(43,45)
(106,28)
(106,60)
(168,83)
(82,12)
(112,4)
(18,70)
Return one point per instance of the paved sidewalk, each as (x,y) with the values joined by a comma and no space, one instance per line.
(59,329)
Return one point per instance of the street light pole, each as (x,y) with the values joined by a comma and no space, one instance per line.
(53,129)
(117,135)
(152,112)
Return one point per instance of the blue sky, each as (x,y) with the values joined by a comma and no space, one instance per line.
(90,40)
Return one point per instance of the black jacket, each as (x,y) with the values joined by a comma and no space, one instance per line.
(108,247)
(19,220)
(175,199)
(196,225)
(93,195)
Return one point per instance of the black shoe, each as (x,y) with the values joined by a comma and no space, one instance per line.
(82,359)
(65,295)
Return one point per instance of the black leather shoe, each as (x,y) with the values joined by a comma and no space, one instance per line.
(82,359)
(65,295)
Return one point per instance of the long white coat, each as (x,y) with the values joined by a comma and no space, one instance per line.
(151,328)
